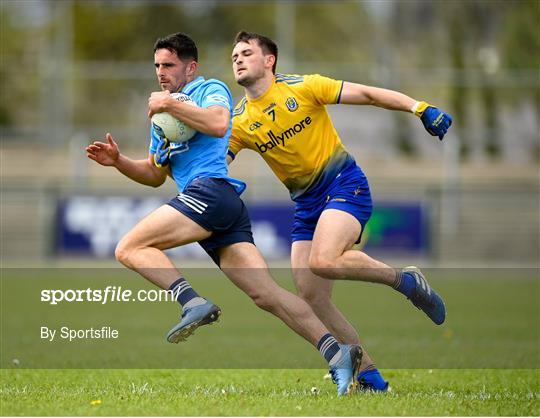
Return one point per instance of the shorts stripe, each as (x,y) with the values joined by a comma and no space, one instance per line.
(184,199)
(193,200)
(191,205)
(214,204)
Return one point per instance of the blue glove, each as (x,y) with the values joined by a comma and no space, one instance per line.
(161,157)
(435,120)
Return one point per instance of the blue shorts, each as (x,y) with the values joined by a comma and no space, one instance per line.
(214,204)
(349,192)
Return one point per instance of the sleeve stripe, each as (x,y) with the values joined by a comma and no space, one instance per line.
(289,79)
(289,82)
(289,76)
(240,107)
(340,90)
(231,154)
(217,98)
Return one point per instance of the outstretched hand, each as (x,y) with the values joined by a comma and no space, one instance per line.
(104,153)
(436,121)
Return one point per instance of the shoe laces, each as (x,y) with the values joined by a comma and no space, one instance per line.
(421,297)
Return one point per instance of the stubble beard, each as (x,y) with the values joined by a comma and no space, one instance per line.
(172,88)
(246,81)
(250,80)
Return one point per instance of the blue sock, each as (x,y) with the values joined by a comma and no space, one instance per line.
(329,347)
(183,291)
(372,378)
(405,283)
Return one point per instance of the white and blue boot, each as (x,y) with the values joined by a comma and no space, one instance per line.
(345,370)
(193,318)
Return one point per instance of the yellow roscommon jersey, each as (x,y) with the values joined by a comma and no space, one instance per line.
(290,128)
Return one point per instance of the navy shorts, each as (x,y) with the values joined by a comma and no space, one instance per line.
(349,192)
(214,204)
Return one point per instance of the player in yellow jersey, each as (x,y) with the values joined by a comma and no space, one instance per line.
(284,119)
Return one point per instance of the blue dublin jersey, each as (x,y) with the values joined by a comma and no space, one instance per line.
(203,155)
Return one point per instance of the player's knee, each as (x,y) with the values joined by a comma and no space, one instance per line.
(124,253)
(321,265)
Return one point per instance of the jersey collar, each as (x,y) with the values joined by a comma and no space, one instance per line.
(192,85)
(265,94)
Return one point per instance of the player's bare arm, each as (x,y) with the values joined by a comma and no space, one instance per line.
(435,121)
(142,171)
(213,120)
(360,94)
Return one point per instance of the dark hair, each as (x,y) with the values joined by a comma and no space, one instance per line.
(180,43)
(267,45)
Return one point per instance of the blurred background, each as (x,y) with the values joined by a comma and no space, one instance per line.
(73,70)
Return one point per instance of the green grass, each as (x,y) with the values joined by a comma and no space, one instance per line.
(483,361)
(264,392)
(493,322)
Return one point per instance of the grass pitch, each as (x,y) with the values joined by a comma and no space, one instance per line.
(483,361)
(264,393)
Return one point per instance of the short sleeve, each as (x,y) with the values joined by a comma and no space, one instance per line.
(154,139)
(235,144)
(217,94)
(325,90)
